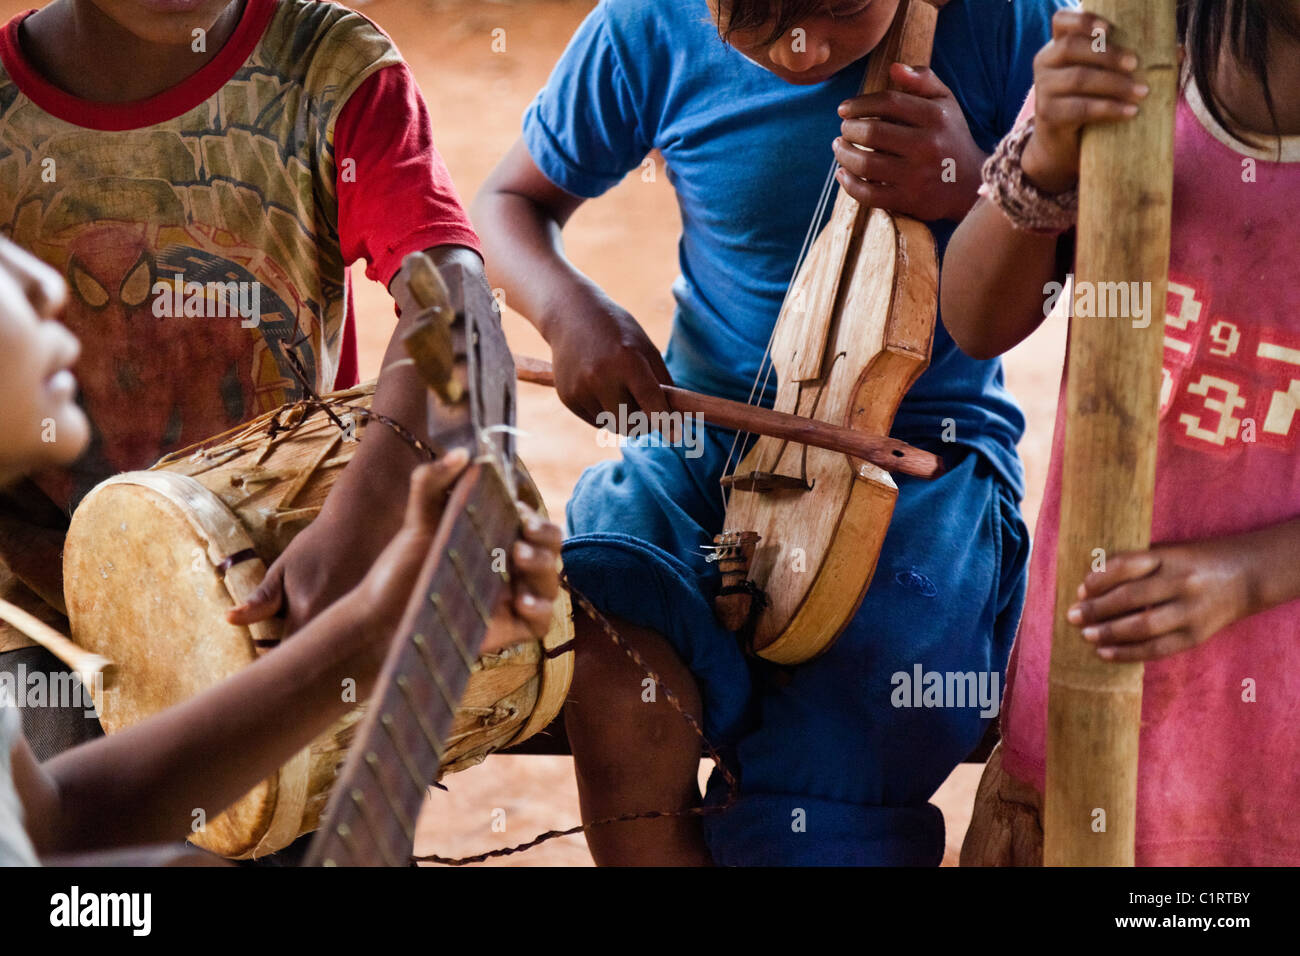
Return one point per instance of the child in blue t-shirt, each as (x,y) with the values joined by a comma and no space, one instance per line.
(831,769)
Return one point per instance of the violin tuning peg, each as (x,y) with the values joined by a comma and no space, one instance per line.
(734,606)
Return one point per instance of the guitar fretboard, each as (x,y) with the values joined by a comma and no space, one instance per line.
(372,811)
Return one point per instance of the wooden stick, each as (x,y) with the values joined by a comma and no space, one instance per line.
(886,453)
(83,663)
(1113,403)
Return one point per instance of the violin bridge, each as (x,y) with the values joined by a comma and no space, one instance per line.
(738,598)
(765,481)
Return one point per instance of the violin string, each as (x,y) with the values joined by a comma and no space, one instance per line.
(762,377)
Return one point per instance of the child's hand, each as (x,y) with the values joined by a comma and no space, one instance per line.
(603,360)
(1079,78)
(1151,604)
(923,162)
(386,591)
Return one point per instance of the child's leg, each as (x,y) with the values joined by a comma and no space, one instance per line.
(847,750)
(636,530)
(633,750)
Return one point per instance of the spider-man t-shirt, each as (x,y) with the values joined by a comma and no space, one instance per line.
(206,232)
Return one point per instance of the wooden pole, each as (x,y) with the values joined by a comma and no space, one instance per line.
(1125,194)
(89,666)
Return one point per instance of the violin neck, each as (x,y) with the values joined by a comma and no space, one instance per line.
(910,41)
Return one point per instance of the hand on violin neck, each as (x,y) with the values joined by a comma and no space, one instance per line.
(908,149)
(606,367)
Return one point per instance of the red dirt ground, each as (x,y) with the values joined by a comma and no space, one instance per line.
(627,242)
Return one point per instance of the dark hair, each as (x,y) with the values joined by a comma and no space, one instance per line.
(1204,26)
(779,16)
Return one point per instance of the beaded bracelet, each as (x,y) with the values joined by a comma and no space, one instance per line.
(1029,208)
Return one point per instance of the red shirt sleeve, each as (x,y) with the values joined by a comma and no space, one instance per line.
(395,194)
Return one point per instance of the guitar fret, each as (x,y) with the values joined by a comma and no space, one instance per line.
(454,556)
(472,513)
(463,583)
(451,631)
(432,668)
(430,737)
(411,770)
(359,801)
(408,828)
(345,834)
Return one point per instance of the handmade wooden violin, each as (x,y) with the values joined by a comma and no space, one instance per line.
(805,525)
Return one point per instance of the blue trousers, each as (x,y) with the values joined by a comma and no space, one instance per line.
(836,759)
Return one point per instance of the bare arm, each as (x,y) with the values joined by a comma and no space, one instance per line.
(992,293)
(142,785)
(994,275)
(364,508)
(520,214)
(602,356)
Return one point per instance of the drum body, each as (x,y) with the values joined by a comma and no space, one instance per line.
(154,559)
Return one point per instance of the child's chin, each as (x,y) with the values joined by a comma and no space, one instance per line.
(63,438)
(166,22)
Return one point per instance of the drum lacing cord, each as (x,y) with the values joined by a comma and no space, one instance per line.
(727,775)
(314,401)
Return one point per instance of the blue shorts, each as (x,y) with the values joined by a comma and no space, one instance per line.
(838,757)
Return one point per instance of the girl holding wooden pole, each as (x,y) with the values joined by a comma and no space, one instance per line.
(1211,606)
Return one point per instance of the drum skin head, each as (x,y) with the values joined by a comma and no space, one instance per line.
(142,590)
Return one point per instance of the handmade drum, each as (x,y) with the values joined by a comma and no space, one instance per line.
(155,558)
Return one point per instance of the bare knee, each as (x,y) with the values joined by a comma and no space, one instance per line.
(625,731)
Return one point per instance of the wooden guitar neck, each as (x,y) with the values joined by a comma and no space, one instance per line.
(370,818)
(400,744)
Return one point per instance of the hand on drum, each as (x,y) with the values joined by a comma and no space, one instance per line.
(382,596)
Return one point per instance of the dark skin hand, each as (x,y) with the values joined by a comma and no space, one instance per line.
(923,162)
(1150,604)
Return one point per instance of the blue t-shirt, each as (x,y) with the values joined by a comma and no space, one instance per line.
(748,155)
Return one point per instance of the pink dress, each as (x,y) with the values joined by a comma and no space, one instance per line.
(1219,776)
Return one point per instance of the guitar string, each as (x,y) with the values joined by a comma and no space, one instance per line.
(763,376)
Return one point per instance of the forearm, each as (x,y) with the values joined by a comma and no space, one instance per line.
(994,276)
(379,473)
(524,246)
(1272,573)
(142,785)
